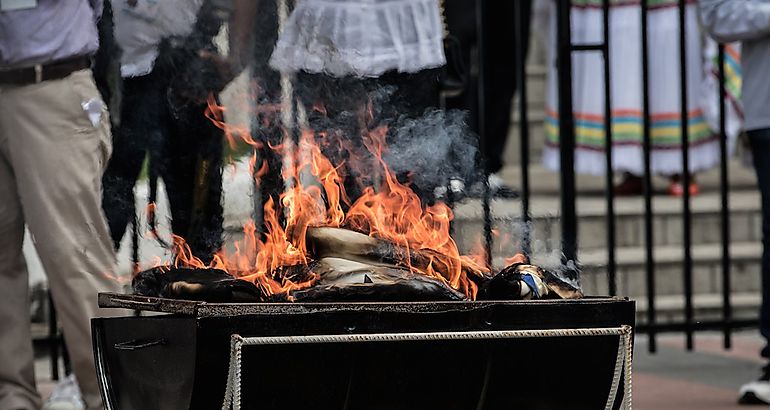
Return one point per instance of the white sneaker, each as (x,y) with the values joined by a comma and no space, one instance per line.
(495,182)
(457,186)
(497,188)
(757,391)
(65,396)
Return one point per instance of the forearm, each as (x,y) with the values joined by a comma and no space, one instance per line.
(242,32)
(735,20)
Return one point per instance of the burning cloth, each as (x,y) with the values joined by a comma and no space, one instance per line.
(318,244)
(353,267)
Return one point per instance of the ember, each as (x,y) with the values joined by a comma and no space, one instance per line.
(387,246)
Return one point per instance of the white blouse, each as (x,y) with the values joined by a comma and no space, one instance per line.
(140,27)
(363,38)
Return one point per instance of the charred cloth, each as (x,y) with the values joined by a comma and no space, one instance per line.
(354,267)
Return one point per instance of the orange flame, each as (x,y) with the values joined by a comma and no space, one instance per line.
(233,133)
(315,197)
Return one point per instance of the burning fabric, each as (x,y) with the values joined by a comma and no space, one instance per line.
(318,244)
(349,266)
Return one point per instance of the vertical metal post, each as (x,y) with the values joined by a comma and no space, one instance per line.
(686,215)
(134,241)
(566,138)
(609,189)
(647,147)
(53,339)
(65,356)
(134,249)
(521,85)
(727,312)
(481,10)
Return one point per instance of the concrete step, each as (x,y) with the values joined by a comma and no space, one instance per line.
(707,306)
(745,220)
(545,210)
(546,182)
(745,266)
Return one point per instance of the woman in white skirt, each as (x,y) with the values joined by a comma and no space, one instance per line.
(626,94)
(350,54)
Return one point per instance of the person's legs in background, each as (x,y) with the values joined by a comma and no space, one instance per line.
(759,391)
(414,95)
(192,171)
(57,160)
(760,148)
(500,80)
(500,74)
(141,119)
(266,123)
(461,20)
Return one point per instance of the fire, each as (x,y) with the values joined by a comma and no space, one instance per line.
(315,196)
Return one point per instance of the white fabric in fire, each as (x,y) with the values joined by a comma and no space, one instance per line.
(363,38)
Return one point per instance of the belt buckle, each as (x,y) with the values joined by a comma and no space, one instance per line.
(38,73)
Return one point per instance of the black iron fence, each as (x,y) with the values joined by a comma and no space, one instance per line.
(565,50)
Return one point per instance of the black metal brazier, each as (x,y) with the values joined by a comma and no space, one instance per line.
(180,360)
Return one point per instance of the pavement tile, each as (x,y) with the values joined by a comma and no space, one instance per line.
(651,392)
(707,378)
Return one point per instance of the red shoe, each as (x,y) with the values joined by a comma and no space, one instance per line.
(676,189)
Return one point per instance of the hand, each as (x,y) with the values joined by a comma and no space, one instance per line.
(223,65)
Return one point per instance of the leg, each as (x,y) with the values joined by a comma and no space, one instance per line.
(17,377)
(345,101)
(58,159)
(760,147)
(461,19)
(192,171)
(500,65)
(130,142)
(415,92)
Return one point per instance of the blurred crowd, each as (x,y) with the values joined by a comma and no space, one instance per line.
(96,95)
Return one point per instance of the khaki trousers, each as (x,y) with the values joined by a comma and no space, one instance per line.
(52,156)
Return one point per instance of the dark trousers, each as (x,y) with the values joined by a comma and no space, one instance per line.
(500,68)
(391,97)
(760,149)
(185,150)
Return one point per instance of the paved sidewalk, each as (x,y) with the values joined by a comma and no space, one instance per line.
(707,378)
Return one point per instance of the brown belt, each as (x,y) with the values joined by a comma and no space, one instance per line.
(43,72)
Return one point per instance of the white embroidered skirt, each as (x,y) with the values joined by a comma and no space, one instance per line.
(363,38)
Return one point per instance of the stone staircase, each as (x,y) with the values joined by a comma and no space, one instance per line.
(745,235)
(745,229)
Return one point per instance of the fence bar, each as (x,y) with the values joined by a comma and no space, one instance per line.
(716,324)
(521,85)
(609,191)
(566,138)
(727,310)
(649,238)
(53,338)
(481,10)
(685,180)
(588,47)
